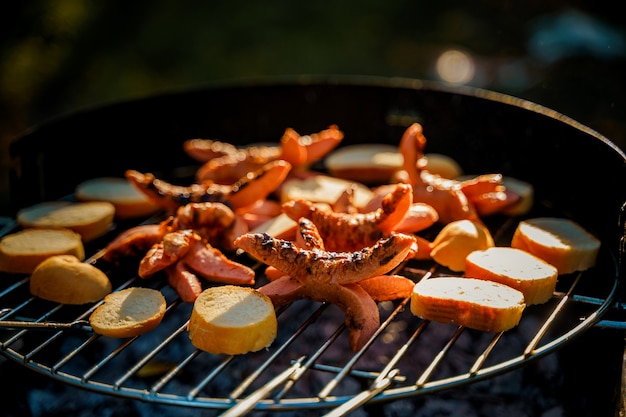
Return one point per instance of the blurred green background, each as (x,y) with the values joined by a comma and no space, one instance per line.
(59,56)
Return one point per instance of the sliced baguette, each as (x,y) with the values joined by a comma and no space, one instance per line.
(474,303)
(534,277)
(67,280)
(280,227)
(22,251)
(378,163)
(232,320)
(442,165)
(321,188)
(129,202)
(561,242)
(129,312)
(89,219)
(371,163)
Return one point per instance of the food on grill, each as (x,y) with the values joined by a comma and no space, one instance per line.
(332,277)
(186,246)
(281,226)
(474,303)
(199,256)
(22,251)
(232,320)
(454,200)
(353,231)
(534,277)
(184,255)
(458,239)
(379,163)
(67,280)
(559,241)
(419,216)
(367,163)
(259,212)
(225,163)
(526,193)
(133,242)
(129,202)
(442,165)
(443,194)
(321,188)
(213,221)
(129,312)
(89,219)
(388,287)
(256,185)
(325,267)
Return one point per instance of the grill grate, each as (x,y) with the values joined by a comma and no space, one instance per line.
(309,365)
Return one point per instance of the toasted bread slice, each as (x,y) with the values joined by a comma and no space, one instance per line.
(22,251)
(129,202)
(560,242)
(474,303)
(321,188)
(129,312)
(232,320)
(371,163)
(89,219)
(533,276)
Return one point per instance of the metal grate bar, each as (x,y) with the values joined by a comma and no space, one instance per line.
(58,365)
(438,358)
(480,361)
(148,357)
(106,359)
(237,392)
(550,320)
(193,393)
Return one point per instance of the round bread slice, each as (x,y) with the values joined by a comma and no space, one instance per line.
(321,188)
(560,242)
(22,251)
(457,240)
(369,163)
(129,312)
(534,277)
(442,165)
(471,302)
(129,202)
(67,280)
(232,320)
(89,219)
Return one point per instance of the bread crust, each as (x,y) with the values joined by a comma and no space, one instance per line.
(22,251)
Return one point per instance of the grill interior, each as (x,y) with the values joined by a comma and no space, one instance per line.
(310,365)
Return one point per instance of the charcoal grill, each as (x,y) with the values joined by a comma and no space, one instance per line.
(310,365)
